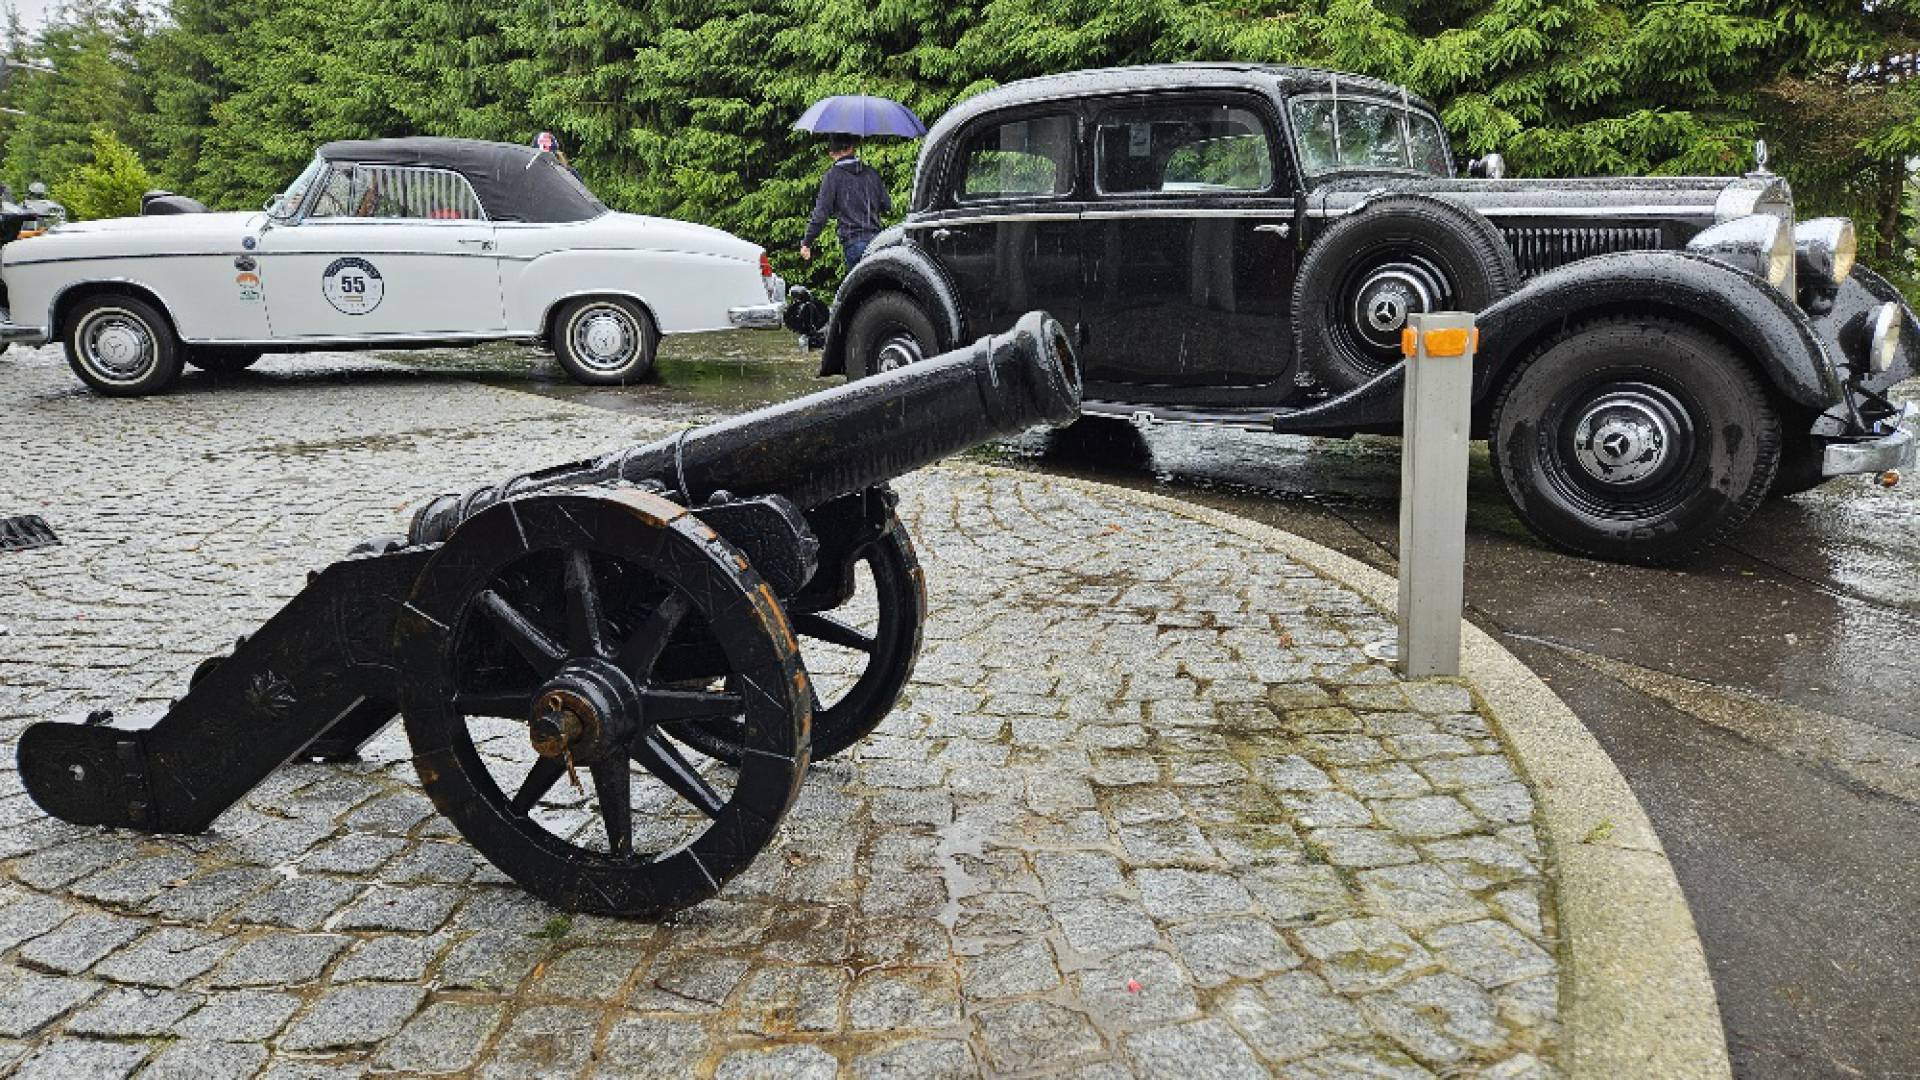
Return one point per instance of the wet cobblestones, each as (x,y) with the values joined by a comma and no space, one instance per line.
(1147,810)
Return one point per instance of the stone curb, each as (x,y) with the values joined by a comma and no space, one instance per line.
(1636,996)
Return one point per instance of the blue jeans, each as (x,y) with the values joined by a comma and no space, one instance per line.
(853,249)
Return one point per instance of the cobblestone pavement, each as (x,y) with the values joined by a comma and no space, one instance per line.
(1148,809)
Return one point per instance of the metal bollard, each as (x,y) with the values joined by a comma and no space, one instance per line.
(1433,490)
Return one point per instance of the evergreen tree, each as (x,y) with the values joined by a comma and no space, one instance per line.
(110,185)
(91,46)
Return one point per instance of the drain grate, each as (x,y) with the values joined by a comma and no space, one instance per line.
(25,532)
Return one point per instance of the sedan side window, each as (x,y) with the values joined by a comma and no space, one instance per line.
(1024,159)
(1355,133)
(1183,149)
(381,191)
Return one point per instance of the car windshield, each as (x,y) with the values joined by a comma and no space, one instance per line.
(1362,133)
(287,203)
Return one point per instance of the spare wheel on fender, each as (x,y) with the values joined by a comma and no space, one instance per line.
(1398,256)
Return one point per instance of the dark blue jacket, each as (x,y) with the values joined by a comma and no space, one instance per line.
(853,194)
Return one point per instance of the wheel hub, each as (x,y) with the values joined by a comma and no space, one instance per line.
(1387,296)
(119,345)
(588,709)
(604,337)
(1622,439)
(897,352)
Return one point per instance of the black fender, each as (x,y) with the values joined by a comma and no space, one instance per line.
(1756,318)
(1845,319)
(898,265)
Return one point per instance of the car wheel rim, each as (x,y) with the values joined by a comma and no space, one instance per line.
(898,351)
(1624,450)
(604,337)
(117,345)
(1379,297)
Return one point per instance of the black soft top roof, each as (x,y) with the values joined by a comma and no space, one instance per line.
(514,182)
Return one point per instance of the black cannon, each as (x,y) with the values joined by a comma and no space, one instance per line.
(593,620)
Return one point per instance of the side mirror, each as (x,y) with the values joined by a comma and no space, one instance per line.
(1491,167)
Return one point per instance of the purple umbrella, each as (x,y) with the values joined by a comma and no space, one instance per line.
(859,114)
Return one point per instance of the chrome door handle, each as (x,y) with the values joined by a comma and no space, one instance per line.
(1277,230)
(942,235)
(484,245)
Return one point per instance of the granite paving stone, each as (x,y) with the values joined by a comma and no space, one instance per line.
(245,1016)
(656,1049)
(446,1036)
(359,1015)
(80,942)
(1145,809)
(189,1060)
(279,960)
(918,1059)
(67,1059)
(1171,1053)
(130,1013)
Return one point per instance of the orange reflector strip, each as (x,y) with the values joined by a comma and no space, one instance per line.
(1440,342)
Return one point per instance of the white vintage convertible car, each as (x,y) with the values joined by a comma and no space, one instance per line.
(387,243)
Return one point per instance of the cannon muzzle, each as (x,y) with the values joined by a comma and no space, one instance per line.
(835,442)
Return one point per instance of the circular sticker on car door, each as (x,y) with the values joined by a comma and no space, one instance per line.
(352,286)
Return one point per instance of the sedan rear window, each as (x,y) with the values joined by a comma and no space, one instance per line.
(1024,159)
(1190,149)
(1359,133)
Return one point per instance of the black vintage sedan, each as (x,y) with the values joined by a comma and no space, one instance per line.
(1241,244)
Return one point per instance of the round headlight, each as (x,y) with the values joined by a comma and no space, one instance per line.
(1760,244)
(1780,258)
(1826,248)
(1884,345)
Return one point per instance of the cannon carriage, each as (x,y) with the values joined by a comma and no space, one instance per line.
(601,666)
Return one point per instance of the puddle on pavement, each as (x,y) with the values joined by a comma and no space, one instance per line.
(695,376)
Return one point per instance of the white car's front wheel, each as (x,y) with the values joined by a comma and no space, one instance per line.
(121,346)
(605,340)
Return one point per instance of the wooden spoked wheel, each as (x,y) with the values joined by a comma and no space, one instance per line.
(859,656)
(549,650)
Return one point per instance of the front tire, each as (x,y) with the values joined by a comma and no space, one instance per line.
(890,330)
(1636,440)
(605,340)
(121,346)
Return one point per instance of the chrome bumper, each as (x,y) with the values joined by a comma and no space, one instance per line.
(1895,448)
(11,331)
(762,316)
(757,317)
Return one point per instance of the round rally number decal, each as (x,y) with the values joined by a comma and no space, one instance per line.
(352,286)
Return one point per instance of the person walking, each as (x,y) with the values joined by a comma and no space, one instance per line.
(851,193)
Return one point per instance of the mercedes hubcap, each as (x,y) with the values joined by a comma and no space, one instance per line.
(1623,439)
(604,338)
(119,345)
(1386,296)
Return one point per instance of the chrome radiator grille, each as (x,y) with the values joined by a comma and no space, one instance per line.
(1541,249)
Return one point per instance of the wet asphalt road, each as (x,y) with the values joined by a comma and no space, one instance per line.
(1761,703)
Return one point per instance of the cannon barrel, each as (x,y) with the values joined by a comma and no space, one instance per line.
(834,442)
